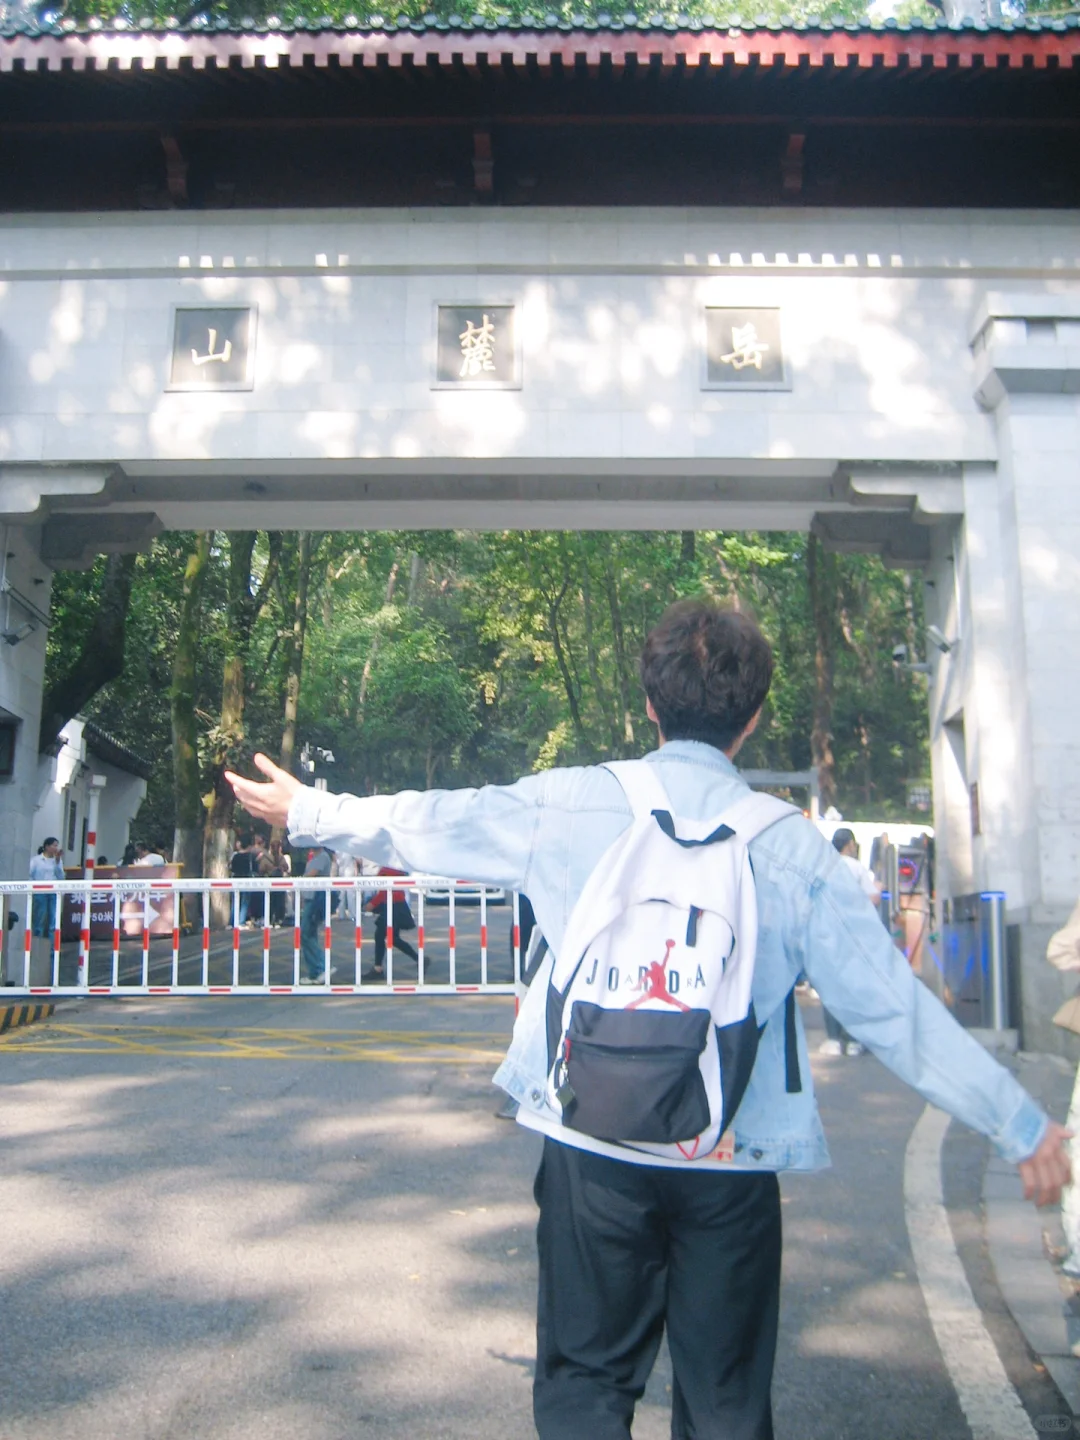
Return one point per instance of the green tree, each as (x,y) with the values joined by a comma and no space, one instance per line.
(183,701)
(473,658)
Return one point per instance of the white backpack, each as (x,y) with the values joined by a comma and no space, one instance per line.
(651,1026)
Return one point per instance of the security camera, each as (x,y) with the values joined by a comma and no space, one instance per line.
(938,638)
(899,654)
(14,637)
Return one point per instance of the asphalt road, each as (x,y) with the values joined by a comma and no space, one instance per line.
(298,1217)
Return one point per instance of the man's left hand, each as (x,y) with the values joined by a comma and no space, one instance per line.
(266,801)
(1048,1169)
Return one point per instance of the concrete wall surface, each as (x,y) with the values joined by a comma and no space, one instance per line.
(23,578)
(876,308)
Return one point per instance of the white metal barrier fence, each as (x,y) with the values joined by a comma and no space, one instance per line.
(157,936)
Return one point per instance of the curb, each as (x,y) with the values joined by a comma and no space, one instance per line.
(13,1016)
(1021,1239)
(1028,1283)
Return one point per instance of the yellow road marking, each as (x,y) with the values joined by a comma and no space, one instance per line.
(191,1042)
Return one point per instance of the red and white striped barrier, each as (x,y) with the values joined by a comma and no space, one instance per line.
(130,936)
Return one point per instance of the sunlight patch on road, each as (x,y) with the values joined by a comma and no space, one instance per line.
(393,1047)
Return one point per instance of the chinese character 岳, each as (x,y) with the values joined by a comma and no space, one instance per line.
(477,348)
(223,355)
(746,348)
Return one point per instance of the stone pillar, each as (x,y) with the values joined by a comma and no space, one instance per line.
(25,584)
(1022,590)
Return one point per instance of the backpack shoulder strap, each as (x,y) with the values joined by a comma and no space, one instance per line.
(641,785)
(753,813)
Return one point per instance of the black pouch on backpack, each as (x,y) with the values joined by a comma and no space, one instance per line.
(634,1076)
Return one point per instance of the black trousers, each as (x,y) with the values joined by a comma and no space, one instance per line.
(625,1249)
(401,912)
(833,1029)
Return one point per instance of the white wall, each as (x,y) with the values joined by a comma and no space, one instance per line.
(876,307)
(66,779)
(22,668)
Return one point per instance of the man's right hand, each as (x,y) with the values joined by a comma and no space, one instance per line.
(268,801)
(1048,1169)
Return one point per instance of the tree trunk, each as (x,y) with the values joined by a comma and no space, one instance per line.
(365,678)
(821,577)
(244,608)
(603,699)
(187,795)
(416,575)
(687,548)
(732,579)
(867,761)
(294,649)
(220,824)
(101,658)
(915,650)
(622,672)
(554,604)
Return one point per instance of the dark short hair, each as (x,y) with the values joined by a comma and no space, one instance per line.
(706,670)
(49,840)
(844,837)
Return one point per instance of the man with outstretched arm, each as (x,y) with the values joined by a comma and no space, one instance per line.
(630,1244)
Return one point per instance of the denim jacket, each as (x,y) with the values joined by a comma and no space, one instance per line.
(543,836)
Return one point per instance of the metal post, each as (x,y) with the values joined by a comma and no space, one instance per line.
(892,880)
(992,935)
(885,910)
(97,784)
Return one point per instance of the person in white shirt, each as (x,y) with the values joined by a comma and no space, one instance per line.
(45,865)
(838,1041)
(347,867)
(145,856)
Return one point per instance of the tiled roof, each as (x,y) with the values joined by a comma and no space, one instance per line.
(107,44)
(114,752)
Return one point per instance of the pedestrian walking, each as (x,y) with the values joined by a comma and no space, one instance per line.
(645,1221)
(837,1040)
(403,920)
(313,913)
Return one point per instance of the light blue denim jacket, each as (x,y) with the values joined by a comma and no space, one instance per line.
(543,836)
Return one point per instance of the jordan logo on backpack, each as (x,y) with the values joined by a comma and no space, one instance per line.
(651,1026)
(654,983)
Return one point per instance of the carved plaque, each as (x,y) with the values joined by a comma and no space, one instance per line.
(213,348)
(477,348)
(744,350)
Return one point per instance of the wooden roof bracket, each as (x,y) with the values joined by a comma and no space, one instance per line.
(176,169)
(483,164)
(791,163)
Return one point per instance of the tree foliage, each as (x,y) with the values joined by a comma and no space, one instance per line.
(455,658)
(719,13)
